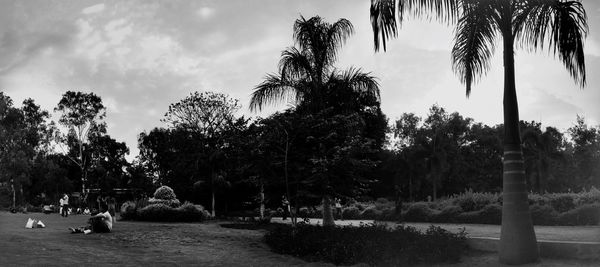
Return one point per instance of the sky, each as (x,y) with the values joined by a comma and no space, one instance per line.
(141,56)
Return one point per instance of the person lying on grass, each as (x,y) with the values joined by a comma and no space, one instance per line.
(98,223)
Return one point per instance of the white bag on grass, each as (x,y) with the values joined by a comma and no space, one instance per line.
(29,223)
(40,224)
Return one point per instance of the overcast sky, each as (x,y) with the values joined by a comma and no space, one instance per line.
(140,56)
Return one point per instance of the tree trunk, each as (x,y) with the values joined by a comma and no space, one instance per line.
(327,212)
(12,187)
(262,201)
(518,244)
(435,187)
(212,213)
(212,191)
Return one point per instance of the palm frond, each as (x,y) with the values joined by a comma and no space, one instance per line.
(474,42)
(361,82)
(272,90)
(383,21)
(336,36)
(558,25)
(294,65)
(384,12)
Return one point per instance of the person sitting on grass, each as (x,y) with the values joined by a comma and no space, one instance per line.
(98,223)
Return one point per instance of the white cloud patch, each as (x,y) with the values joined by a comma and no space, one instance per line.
(205,12)
(93,9)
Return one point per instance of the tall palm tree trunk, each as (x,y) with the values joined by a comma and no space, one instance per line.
(327,212)
(518,244)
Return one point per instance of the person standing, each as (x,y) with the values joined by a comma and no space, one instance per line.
(64,206)
(286,207)
(338,208)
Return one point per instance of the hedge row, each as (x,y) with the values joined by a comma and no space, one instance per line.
(581,208)
(375,245)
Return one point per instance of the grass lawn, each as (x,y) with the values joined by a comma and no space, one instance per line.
(159,244)
(132,244)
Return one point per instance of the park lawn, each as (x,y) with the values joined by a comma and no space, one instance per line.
(132,244)
(161,244)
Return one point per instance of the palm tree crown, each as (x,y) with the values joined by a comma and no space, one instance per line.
(557,25)
(306,72)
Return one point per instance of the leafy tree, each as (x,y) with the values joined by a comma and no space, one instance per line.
(308,78)
(586,153)
(82,114)
(559,25)
(207,115)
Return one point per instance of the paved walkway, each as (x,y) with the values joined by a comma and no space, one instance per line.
(543,233)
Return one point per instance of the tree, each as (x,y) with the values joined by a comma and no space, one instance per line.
(586,153)
(308,78)
(82,114)
(207,115)
(558,25)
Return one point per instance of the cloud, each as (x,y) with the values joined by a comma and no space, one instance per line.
(205,12)
(93,9)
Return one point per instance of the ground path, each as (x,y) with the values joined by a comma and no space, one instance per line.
(159,244)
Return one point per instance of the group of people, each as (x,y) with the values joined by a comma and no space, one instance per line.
(287,209)
(102,218)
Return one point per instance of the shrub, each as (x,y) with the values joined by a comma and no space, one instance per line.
(585,215)
(173,203)
(371,213)
(588,197)
(470,201)
(163,213)
(128,211)
(538,199)
(490,214)
(351,212)
(418,212)
(375,245)
(448,214)
(164,192)
(543,215)
(562,202)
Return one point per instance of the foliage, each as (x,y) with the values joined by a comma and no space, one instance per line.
(165,193)
(187,212)
(173,203)
(588,214)
(375,245)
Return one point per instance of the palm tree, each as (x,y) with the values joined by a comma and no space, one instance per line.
(307,76)
(558,25)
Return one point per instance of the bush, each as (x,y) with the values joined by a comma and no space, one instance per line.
(128,211)
(164,192)
(418,212)
(371,213)
(470,201)
(543,215)
(448,214)
(562,202)
(351,213)
(490,214)
(173,203)
(590,197)
(375,245)
(585,215)
(163,213)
